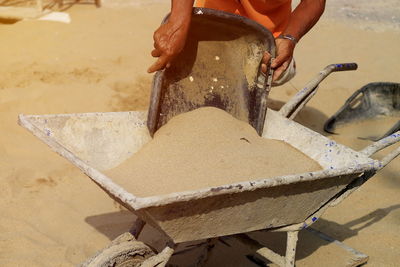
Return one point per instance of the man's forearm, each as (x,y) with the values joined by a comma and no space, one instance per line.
(181,12)
(304,17)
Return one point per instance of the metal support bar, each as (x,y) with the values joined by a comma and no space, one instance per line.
(389,157)
(272,256)
(291,244)
(297,102)
(381,144)
(137,227)
(358,257)
(287,261)
(301,105)
(261,249)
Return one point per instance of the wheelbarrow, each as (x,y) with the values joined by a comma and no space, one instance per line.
(96,142)
(287,203)
(374,101)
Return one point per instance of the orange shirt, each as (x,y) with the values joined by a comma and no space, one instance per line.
(272,14)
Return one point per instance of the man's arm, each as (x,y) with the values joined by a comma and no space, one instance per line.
(170,38)
(303,18)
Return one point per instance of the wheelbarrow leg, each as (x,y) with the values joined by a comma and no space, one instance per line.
(137,227)
(291,245)
(283,261)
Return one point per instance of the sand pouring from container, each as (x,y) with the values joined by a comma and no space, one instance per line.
(220,66)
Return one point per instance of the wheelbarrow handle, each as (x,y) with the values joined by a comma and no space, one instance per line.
(296,103)
(343,66)
(381,144)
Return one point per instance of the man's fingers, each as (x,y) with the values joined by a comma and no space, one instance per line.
(159,64)
(265,61)
(278,61)
(266,58)
(278,72)
(156,53)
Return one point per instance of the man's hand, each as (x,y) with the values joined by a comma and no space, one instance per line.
(284,54)
(303,18)
(169,40)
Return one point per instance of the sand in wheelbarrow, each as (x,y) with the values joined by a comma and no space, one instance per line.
(368,128)
(203,148)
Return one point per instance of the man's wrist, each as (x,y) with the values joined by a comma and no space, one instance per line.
(288,37)
(182,21)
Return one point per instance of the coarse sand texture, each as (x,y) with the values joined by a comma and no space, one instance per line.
(203,148)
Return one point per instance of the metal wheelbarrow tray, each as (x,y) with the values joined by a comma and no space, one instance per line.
(95,142)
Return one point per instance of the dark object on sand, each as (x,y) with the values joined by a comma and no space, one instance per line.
(374,100)
(220,66)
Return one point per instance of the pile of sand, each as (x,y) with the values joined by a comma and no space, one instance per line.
(204,148)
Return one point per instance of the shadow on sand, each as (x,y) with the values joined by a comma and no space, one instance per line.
(115,223)
(308,243)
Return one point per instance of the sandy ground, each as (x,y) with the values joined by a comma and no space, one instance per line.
(52,215)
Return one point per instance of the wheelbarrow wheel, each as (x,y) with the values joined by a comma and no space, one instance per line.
(125,251)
